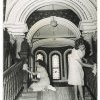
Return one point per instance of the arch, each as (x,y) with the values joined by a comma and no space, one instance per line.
(58,42)
(22,9)
(46,21)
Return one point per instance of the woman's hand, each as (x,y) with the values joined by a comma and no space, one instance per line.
(84,60)
(94,69)
(25,68)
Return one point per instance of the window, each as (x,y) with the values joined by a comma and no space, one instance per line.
(55,66)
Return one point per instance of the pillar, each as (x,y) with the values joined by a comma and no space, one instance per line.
(16,32)
(88,27)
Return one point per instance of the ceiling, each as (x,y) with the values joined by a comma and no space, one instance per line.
(49,32)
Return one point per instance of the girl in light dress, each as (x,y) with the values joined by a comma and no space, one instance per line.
(76,74)
(44,82)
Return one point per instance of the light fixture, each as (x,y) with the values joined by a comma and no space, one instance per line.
(53,21)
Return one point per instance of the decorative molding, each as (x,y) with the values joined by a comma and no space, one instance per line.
(16,28)
(61,41)
(20,10)
(88,26)
(46,21)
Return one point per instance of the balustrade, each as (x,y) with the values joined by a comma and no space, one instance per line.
(13,81)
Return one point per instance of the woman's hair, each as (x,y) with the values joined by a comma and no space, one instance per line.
(25,61)
(42,63)
(79,42)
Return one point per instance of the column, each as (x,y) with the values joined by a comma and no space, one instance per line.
(88,28)
(19,40)
(16,32)
(88,37)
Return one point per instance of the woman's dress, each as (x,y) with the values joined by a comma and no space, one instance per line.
(76,74)
(44,80)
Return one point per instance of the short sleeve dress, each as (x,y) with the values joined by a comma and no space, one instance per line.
(44,80)
(75,71)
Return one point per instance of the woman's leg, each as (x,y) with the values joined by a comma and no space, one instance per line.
(80,88)
(75,89)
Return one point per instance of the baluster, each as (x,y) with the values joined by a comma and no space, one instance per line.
(7,82)
(14,84)
(13,81)
(18,78)
(8,87)
(17,81)
(5,89)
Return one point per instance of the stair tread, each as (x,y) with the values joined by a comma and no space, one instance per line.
(27,99)
(34,93)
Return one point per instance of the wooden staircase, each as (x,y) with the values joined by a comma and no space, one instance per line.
(62,93)
(28,95)
(87,95)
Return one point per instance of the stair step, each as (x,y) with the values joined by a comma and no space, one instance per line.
(29,94)
(30,90)
(86,98)
(27,99)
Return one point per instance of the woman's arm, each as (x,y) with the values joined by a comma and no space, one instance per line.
(85,65)
(33,73)
(26,69)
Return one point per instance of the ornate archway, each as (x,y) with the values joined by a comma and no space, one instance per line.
(21,10)
(64,22)
(18,12)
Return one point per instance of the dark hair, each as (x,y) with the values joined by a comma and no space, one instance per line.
(79,42)
(42,63)
(25,61)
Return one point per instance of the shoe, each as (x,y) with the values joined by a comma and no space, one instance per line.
(50,87)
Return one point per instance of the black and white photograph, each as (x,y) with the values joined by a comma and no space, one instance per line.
(50,50)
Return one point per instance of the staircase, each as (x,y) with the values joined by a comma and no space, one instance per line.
(62,93)
(28,95)
(87,95)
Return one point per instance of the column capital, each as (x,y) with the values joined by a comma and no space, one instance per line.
(88,26)
(16,28)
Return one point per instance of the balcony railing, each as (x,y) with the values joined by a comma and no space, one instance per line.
(13,81)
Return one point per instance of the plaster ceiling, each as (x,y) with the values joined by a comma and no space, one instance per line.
(50,32)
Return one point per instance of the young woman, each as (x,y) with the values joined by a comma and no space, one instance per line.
(76,74)
(44,82)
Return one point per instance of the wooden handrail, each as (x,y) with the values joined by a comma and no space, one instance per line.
(13,81)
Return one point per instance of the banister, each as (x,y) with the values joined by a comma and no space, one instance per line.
(13,81)
(6,72)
